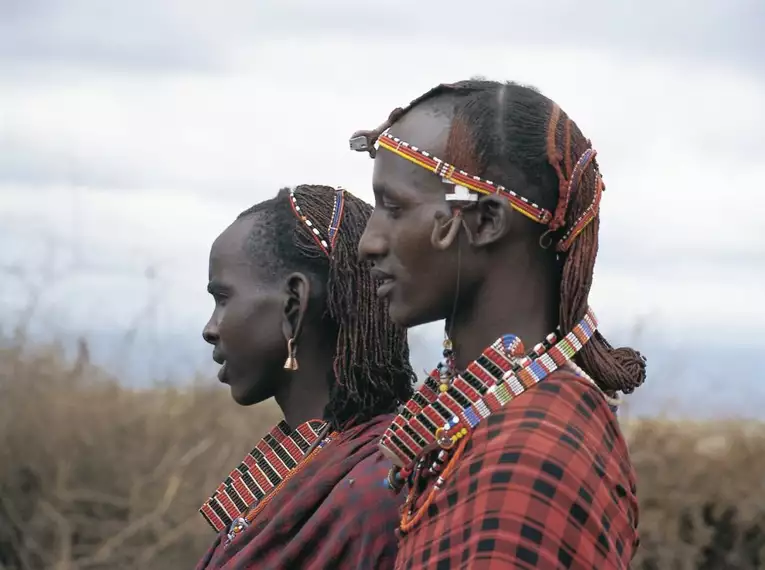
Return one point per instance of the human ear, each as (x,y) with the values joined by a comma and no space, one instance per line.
(297,289)
(488,221)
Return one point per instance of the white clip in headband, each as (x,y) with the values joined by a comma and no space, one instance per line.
(461,194)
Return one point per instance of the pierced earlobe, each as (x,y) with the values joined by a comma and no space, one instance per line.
(452,228)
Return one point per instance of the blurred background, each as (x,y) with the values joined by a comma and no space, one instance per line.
(133,133)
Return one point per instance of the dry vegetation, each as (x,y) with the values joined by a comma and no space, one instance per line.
(94,475)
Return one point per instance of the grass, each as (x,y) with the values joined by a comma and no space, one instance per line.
(97,475)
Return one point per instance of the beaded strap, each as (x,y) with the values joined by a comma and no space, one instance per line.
(325,242)
(434,418)
(262,470)
(242,522)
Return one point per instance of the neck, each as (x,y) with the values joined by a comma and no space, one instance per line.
(521,299)
(305,392)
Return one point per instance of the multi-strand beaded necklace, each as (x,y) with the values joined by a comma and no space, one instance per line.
(427,438)
(277,458)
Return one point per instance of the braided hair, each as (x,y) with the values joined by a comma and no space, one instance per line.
(371,371)
(498,127)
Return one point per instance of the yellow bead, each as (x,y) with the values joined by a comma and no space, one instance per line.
(464,431)
(443,387)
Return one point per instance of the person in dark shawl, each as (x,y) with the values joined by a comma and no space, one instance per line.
(296,319)
(486,215)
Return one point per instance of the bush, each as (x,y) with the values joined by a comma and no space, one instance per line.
(96,475)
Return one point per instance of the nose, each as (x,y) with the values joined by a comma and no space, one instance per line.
(210,332)
(373,244)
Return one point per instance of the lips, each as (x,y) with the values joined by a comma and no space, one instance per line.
(220,359)
(222,373)
(385,281)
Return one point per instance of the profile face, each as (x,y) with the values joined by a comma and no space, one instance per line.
(245,328)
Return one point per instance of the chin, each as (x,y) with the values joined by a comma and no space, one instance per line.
(407,316)
(248,395)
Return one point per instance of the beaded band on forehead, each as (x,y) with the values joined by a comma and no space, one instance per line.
(461,179)
(467,186)
(325,242)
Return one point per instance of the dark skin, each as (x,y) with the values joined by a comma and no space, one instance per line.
(255,315)
(507,282)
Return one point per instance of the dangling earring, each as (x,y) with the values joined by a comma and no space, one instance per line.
(291,363)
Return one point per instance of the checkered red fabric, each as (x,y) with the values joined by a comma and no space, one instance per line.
(335,513)
(544,483)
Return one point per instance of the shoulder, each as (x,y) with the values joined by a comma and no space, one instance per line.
(363,485)
(367,514)
(563,422)
(553,463)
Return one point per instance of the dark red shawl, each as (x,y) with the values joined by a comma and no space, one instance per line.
(546,483)
(334,514)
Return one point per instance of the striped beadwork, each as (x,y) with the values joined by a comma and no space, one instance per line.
(325,242)
(275,456)
(498,376)
(452,175)
(464,182)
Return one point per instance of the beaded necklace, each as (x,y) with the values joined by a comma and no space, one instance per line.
(277,458)
(449,406)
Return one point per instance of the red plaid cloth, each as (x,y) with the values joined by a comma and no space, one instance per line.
(545,483)
(335,513)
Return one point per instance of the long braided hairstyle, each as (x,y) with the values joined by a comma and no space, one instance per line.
(371,372)
(501,127)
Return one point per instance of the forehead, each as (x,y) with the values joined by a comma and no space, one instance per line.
(229,258)
(428,130)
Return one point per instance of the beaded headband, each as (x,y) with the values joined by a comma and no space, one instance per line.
(465,183)
(326,243)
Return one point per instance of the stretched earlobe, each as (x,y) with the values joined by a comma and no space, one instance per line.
(451,227)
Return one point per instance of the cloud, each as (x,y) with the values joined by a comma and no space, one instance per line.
(131,135)
(145,35)
(193,34)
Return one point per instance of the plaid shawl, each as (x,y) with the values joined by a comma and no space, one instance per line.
(335,513)
(544,483)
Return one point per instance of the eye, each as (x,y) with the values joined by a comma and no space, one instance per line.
(393,209)
(220,297)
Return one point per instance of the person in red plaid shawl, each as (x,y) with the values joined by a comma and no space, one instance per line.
(295,319)
(510,454)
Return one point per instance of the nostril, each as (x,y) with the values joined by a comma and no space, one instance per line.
(210,336)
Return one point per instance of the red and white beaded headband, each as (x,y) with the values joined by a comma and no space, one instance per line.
(325,242)
(467,187)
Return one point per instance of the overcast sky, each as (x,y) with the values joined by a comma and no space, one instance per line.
(132,133)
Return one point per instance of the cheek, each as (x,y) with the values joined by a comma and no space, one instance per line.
(411,245)
(249,326)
